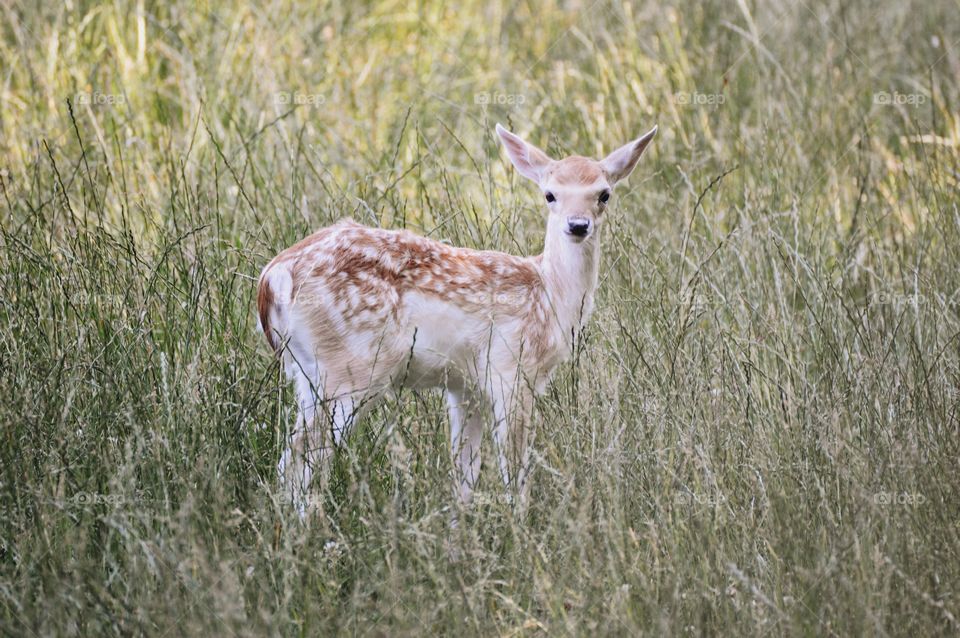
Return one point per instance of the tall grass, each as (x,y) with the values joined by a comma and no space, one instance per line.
(759,434)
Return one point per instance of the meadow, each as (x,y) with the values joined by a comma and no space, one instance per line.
(759,433)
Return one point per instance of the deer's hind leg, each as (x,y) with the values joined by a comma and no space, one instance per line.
(327,411)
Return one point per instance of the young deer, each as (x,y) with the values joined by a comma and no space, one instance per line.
(354,311)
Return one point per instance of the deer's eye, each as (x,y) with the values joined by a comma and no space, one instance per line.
(550,197)
(604,197)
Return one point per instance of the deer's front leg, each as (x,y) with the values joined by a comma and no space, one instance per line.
(512,406)
(466,435)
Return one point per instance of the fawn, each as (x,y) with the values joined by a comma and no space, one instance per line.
(355,311)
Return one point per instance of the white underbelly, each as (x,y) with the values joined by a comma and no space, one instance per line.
(443,344)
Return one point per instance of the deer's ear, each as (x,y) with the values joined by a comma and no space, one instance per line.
(620,163)
(529,160)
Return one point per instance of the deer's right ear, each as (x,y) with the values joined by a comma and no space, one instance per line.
(529,160)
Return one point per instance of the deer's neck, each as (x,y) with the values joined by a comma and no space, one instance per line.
(570,273)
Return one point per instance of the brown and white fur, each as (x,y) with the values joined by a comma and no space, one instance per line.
(355,311)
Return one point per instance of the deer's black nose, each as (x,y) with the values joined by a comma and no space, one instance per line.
(578,226)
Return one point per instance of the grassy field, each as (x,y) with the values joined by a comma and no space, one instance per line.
(760,434)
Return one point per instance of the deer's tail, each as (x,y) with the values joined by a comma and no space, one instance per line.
(273,298)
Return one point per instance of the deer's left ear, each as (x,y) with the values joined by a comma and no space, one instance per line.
(619,164)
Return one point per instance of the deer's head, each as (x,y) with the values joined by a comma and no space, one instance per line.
(576,189)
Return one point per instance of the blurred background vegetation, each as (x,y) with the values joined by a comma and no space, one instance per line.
(759,433)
